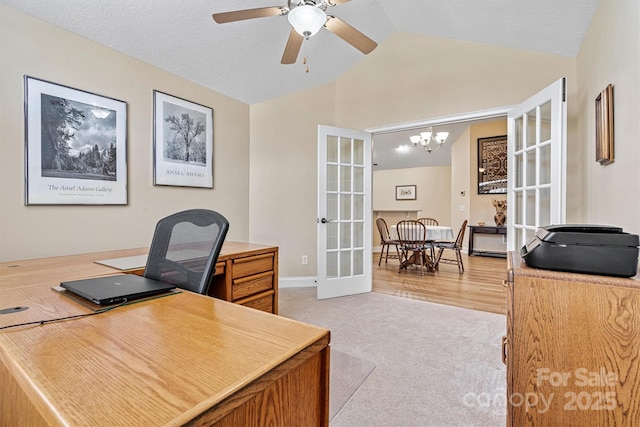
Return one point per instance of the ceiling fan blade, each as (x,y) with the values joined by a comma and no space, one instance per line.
(292,48)
(336,2)
(349,34)
(240,15)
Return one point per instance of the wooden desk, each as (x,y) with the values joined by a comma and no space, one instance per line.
(246,273)
(184,359)
(485,229)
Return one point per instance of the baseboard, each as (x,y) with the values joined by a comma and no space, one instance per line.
(297,282)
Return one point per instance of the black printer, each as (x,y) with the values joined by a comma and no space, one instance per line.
(590,249)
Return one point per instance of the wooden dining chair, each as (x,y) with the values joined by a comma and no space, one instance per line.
(428,221)
(413,245)
(455,246)
(386,241)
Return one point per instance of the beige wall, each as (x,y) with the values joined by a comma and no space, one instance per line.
(433,192)
(40,50)
(481,207)
(610,54)
(408,77)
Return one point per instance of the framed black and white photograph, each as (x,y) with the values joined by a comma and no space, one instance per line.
(75,148)
(406,192)
(182,142)
(492,165)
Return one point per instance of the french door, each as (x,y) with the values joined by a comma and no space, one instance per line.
(537,134)
(344,212)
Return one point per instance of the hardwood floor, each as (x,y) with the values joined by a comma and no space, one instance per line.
(479,287)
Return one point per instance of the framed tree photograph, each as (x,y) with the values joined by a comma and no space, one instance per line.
(182,142)
(75,146)
(492,165)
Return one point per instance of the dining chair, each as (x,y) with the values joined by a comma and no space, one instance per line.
(428,221)
(185,248)
(413,245)
(455,246)
(386,241)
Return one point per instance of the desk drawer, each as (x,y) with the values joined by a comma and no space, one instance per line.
(263,302)
(248,266)
(251,285)
(219,268)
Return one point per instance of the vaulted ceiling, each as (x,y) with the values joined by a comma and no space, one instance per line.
(242,59)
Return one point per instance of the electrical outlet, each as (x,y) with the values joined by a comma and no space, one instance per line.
(305,260)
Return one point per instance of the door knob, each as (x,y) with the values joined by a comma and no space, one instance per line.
(325,220)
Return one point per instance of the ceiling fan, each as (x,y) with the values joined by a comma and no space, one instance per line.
(306,17)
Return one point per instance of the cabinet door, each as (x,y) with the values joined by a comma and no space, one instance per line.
(574,353)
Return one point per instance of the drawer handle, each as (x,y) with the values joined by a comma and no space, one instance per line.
(504,349)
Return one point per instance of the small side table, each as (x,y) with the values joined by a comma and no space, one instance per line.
(484,229)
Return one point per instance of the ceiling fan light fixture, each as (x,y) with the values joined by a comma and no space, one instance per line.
(307,20)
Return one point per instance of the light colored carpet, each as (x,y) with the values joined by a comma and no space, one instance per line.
(436,365)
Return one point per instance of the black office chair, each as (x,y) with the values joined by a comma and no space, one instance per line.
(185,248)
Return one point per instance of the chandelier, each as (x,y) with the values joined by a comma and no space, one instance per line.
(428,141)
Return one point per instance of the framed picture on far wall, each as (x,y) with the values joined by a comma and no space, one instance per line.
(405,192)
(492,165)
(75,146)
(182,142)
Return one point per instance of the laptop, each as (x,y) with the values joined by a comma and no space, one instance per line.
(116,289)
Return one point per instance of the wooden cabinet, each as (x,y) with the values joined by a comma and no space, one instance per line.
(248,276)
(572,348)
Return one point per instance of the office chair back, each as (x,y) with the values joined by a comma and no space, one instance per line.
(185,249)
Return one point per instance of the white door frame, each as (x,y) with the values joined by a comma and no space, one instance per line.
(456,118)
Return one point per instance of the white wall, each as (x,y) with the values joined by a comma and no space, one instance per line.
(32,47)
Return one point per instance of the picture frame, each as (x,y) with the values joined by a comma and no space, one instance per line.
(406,192)
(75,146)
(178,160)
(492,165)
(604,126)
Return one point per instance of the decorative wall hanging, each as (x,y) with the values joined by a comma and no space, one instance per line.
(405,192)
(604,126)
(492,165)
(182,142)
(75,146)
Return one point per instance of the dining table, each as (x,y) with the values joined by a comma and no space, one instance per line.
(433,233)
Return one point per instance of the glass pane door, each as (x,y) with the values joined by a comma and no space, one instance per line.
(537,157)
(344,212)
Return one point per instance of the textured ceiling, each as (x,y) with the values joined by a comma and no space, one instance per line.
(242,59)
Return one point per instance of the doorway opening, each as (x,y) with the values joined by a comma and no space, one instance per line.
(445,189)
